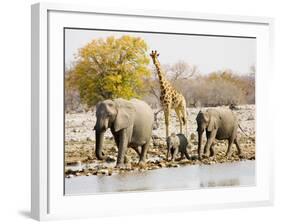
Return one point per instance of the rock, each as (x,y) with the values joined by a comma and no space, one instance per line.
(114,149)
(156,142)
(88,174)
(110,171)
(154,167)
(250,118)
(192,136)
(252,157)
(103,172)
(155,126)
(174,165)
(135,169)
(184,161)
(69,171)
(194,157)
(121,171)
(90,157)
(71,163)
(70,176)
(155,137)
(95,172)
(87,166)
(110,159)
(162,164)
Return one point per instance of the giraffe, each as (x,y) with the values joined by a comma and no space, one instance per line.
(170,98)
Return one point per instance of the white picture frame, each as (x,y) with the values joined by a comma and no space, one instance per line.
(47,198)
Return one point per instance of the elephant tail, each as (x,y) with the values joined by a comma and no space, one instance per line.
(245,133)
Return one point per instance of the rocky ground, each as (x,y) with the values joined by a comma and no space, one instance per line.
(80,144)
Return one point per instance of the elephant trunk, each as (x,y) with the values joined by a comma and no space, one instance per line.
(99,145)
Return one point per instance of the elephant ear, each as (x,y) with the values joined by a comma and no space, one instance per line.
(176,140)
(173,141)
(212,124)
(125,115)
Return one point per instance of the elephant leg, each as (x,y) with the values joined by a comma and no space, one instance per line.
(205,151)
(200,145)
(229,151)
(144,152)
(138,150)
(210,140)
(167,120)
(180,119)
(212,154)
(182,156)
(168,154)
(122,148)
(207,137)
(238,148)
(186,154)
(116,139)
(174,154)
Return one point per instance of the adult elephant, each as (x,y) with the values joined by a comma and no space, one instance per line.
(130,123)
(219,124)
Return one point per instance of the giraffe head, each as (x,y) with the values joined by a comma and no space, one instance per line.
(154,55)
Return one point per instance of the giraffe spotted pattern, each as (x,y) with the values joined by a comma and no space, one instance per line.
(170,98)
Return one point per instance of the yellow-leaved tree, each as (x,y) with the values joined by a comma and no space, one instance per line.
(110,68)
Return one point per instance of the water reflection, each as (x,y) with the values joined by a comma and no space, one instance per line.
(222,183)
(187,177)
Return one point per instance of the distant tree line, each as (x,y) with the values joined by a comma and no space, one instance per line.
(214,89)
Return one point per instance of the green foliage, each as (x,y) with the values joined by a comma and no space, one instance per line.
(110,68)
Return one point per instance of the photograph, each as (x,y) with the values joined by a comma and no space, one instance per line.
(154,111)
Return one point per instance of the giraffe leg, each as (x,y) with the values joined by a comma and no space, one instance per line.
(184,118)
(180,119)
(167,116)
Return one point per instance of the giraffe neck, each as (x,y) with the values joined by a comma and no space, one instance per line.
(159,72)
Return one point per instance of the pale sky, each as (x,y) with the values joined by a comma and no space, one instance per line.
(208,53)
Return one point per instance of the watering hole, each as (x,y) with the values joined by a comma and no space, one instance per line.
(240,173)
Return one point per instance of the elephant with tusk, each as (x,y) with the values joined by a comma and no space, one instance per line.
(130,122)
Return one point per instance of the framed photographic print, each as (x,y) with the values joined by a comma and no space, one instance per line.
(132,110)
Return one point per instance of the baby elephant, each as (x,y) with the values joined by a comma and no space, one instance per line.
(177,143)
